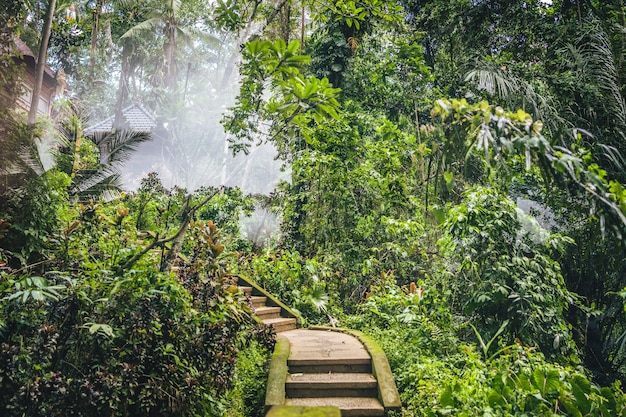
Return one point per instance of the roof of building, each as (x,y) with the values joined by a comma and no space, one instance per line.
(136,118)
(28,54)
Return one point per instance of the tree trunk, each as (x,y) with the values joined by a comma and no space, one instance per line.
(170,48)
(95,28)
(41,62)
(122,89)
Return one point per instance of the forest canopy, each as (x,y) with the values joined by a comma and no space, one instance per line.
(452,182)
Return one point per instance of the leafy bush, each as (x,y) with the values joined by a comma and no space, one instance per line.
(33,212)
(247,398)
(102,330)
(438,371)
(507,273)
(128,345)
(306,285)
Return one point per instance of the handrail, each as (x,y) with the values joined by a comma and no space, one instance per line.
(273,301)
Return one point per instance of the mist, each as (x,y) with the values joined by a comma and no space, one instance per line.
(189,147)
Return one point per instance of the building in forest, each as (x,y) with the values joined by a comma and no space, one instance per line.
(53,85)
(134,118)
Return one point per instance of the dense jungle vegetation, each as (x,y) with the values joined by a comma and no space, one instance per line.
(456,189)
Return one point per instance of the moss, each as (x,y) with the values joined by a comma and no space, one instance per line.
(387,390)
(294,411)
(275,394)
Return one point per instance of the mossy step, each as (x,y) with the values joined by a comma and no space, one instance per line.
(296,411)
(258,301)
(343,380)
(344,364)
(331,385)
(281,324)
(349,406)
(267,312)
(246,290)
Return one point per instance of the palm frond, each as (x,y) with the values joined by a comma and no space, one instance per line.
(592,58)
(146,25)
(174,6)
(122,144)
(615,157)
(494,82)
(514,92)
(31,160)
(93,184)
(127,3)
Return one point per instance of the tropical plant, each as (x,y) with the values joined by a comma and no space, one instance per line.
(507,272)
(102,331)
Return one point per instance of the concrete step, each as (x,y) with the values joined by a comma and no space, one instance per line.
(331,385)
(349,406)
(295,411)
(267,312)
(334,365)
(258,301)
(246,290)
(281,324)
(314,351)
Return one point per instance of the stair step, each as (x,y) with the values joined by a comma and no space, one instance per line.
(331,385)
(345,364)
(267,312)
(258,301)
(281,324)
(246,290)
(350,406)
(294,411)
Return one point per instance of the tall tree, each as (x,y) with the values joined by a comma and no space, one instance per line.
(41,61)
(164,18)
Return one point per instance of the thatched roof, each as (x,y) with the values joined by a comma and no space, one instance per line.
(29,56)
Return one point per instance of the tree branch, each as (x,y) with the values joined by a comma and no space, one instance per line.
(188,213)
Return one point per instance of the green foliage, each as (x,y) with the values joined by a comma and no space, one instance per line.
(302,284)
(387,74)
(122,345)
(33,213)
(358,13)
(295,101)
(507,272)
(438,372)
(350,202)
(101,331)
(247,398)
(502,137)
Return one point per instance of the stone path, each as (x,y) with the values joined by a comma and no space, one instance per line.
(328,368)
(320,372)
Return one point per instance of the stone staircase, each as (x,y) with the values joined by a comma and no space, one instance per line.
(271,315)
(323,371)
(329,368)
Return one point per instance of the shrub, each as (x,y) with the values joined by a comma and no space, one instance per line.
(438,372)
(102,331)
(507,272)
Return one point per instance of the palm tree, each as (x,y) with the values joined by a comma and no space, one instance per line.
(103,178)
(164,18)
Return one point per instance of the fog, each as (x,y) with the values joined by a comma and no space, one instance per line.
(192,152)
(188,146)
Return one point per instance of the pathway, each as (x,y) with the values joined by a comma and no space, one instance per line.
(332,368)
(320,371)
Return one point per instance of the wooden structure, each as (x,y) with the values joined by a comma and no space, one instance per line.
(52,86)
